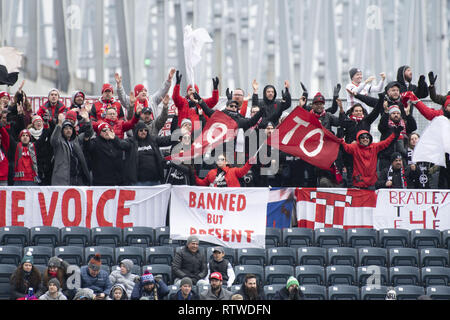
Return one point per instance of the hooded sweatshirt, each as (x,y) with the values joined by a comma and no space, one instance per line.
(127,281)
(421,91)
(48,296)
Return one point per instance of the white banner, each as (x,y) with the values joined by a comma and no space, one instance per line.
(84,206)
(412,209)
(230,217)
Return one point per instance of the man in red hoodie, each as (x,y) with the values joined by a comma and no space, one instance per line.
(25,164)
(365,156)
(98,110)
(187,107)
(4,147)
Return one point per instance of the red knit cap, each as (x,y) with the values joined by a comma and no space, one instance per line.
(138,89)
(318,98)
(107,86)
(447,102)
(95,262)
(103,125)
(5,94)
(71,115)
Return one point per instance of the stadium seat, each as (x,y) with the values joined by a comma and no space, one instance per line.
(201,289)
(139,236)
(44,236)
(409,292)
(404,275)
(75,236)
(438,292)
(393,238)
(425,238)
(71,254)
(271,289)
(159,255)
(362,237)
(277,274)
(312,256)
(434,257)
(134,270)
(281,256)
(297,237)
(310,275)
(435,276)
(329,237)
(314,292)
(160,269)
(172,289)
(10,255)
(106,237)
(337,275)
(403,257)
(445,239)
(14,236)
(241,270)
(230,254)
(373,256)
(342,256)
(378,276)
(42,268)
(343,292)
(41,254)
(373,292)
(107,254)
(162,238)
(273,237)
(235,288)
(254,256)
(6,270)
(135,254)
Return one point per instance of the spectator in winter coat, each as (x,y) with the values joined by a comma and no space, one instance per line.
(40,137)
(290,292)
(421,173)
(118,292)
(149,288)
(25,164)
(357,86)
(155,125)
(189,262)
(124,276)
(271,108)
(53,107)
(4,149)
(404,77)
(188,106)
(395,176)
(106,152)
(216,291)
(140,96)
(436,98)
(224,176)
(84,294)
(390,120)
(98,110)
(54,291)
(25,277)
(185,293)
(364,154)
(56,269)
(252,290)
(70,167)
(392,96)
(219,264)
(119,126)
(96,279)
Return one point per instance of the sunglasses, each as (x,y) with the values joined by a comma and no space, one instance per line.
(233,106)
(365,136)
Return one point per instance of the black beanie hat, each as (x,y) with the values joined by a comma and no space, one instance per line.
(353,71)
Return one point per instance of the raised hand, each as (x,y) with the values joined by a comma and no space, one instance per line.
(139,108)
(178,76)
(118,78)
(383,76)
(302,101)
(336,90)
(287,85)
(370,79)
(20,108)
(171,73)
(215,83)
(166,100)
(303,87)
(88,106)
(255,86)
(339,103)
(229,94)
(432,78)
(61,118)
(132,98)
(197,97)
(21,86)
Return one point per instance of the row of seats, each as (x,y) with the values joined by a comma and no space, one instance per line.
(432,257)
(287,237)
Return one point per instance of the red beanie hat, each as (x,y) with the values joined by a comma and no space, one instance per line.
(24,131)
(5,94)
(103,125)
(71,115)
(190,86)
(318,98)
(447,102)
(107,86)
(36,118)
(138,89)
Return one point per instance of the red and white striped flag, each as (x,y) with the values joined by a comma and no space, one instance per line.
(335,208)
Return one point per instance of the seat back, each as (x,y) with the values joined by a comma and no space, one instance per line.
(342,256)
(273,237)
(403,257)
(438,292)
(425,238)
(312,256)
(372,276)
(373,292)
(393,238)
(408,292)
(314,292)
(310,275)
(135,254)
(362,237)
(249,256)
(71,254)
(281,256)
(329,237)
(435,276)
(271,289)
(6,270)
(14,236)
(139,236)
(343,292)
(373,256)
(107,254)
(106,237)
(278,274)
(75,236)
(434,257)
(41,254)
(241,271)
(45,236)
(10,255)
(337,275)
(404,275)
(297,237)
(160,269)
(159,255)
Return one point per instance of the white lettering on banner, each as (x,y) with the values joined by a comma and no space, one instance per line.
(290,134)
(84,206)
(216,126)
(414,209)
(231,217)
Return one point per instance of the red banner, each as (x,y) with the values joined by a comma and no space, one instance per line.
(220,128)
(302,135)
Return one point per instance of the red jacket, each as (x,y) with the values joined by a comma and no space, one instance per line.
(232,176)
(119,126)
(25,165)
(427,112)
(99,109)
(365,159)
(4,154)
(54,111)
(183,106)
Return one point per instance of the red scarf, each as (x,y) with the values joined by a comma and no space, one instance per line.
(355,118)
(318,115)
(402,123)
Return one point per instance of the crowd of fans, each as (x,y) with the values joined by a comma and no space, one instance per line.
(114,142)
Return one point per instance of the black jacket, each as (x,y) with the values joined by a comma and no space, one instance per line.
(272,109)
(283,294)
(188,264)
(261,294)
(421,91)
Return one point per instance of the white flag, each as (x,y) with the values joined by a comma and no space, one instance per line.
(434,142)
(193,44)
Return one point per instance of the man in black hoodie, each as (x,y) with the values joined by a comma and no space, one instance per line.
(394,176)
(404,77)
